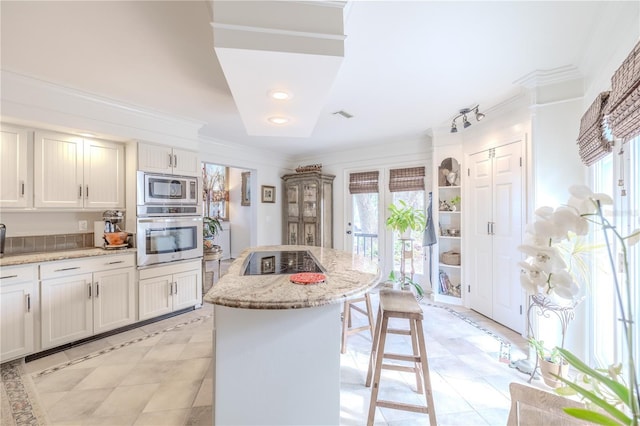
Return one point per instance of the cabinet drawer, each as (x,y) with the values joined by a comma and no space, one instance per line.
(170,268)
(17,274)
(70,267)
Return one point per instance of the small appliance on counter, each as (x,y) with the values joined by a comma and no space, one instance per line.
(107,233)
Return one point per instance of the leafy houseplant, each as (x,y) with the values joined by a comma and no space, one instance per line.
(210,228)
(404,217)
(406,282)
(552,365)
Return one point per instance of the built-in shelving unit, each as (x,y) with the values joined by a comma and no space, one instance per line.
(448,279)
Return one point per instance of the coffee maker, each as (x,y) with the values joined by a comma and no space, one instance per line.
(111,220)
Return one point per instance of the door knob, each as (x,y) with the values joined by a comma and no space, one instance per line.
(348,232)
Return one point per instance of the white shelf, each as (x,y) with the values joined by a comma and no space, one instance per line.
(447,237)
(449,211)
(450,266)
(449,187)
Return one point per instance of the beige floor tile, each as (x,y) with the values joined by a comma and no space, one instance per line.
(149,372)
(175,337)
(191,370)
(77,404)
(126,400)
(125,355)
(86,349)
(62,380)
(164,352)
(106,376)
(98,421)
(49,399)
(200,416)
(125,336)
(40,364)
(172,395)
(197,350)
(162,418)
(205,394)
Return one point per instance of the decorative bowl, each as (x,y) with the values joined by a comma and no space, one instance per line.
(116,238)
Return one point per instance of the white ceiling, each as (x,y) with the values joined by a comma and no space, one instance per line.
(408,67)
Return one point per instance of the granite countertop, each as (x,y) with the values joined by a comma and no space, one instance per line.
(348,275)
(23,259)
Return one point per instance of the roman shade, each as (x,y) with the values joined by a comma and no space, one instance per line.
(363,182)
(623,109)
(592,142)
(409,179)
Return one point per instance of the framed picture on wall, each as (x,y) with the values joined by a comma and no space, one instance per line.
(268,194)
(245,196)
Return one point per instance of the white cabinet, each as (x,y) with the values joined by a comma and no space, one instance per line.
(494,232)
(72,172)
(15,182)
(18,303)
(80,298)
(167,160)
(168,288)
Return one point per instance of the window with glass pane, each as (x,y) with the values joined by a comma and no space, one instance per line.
(364,189)
(408,185)
(215,191)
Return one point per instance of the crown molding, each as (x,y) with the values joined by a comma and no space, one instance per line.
(539,78)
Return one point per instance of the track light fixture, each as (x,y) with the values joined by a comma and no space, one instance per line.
(465,121)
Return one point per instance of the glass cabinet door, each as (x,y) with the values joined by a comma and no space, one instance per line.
(293,206)
(310,199)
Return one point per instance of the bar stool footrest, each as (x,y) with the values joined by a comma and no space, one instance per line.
(401,357)
(396,367)
(402,406)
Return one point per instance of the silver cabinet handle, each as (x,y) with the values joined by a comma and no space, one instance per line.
(170,289)
(21,188)
(176,290)
(170,160)
(492,231)
(86,195)
(115,262)
(97,289)
(175,160)
(66,269)
(488,228)
(89,285)
(80,191)
(6,277)
(28,302)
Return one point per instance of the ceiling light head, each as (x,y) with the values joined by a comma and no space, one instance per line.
(454,128)
(479,115)
(278,120)
(466,123)
(279,95)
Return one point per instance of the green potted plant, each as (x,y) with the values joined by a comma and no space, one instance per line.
(404,218)
(405,284)
(552,365)
(210,228)
(455,203)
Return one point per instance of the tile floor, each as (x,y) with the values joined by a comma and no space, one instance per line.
(161,374)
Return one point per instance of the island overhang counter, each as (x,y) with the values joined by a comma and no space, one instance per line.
(277,343)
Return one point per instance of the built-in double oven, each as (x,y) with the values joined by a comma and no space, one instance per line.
(169,218)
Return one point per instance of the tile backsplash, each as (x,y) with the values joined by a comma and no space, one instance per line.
(43,243)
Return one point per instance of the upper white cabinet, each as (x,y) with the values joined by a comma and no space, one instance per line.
(167,160)
(15,180)
(72,172)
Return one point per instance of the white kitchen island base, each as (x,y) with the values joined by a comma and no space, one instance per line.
(277,366)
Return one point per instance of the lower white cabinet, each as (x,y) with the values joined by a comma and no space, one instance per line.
(18,303)
(167,288)
(80,298)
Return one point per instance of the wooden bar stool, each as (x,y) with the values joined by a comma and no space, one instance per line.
(403,305)
(346,320)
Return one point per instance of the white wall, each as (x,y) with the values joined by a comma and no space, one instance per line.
(390,154)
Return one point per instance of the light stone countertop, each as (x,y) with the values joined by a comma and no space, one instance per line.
(23,259)
(348,276)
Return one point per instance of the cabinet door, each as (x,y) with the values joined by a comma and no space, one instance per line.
(66,310)
(155,158)
(186,163)
(16,325)
(114,299)
(15,184)
(104,171)
(155,296)
(187,289)
(58,164)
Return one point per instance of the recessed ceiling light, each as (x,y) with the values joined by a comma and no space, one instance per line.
(279,95)
(278,120)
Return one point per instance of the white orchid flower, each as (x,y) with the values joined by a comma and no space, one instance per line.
(563,284)
(585,200)
(633,238)
(545,259)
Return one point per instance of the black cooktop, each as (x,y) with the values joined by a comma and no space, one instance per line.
(281,262)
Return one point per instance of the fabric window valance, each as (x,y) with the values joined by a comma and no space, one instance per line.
(592,142)
(409,179)
(623,108)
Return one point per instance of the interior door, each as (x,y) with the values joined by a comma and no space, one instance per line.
(506,233)
(480,243)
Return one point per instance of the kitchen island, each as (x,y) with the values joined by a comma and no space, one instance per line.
(276,343)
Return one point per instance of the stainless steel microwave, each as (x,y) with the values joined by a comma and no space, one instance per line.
(168,195)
